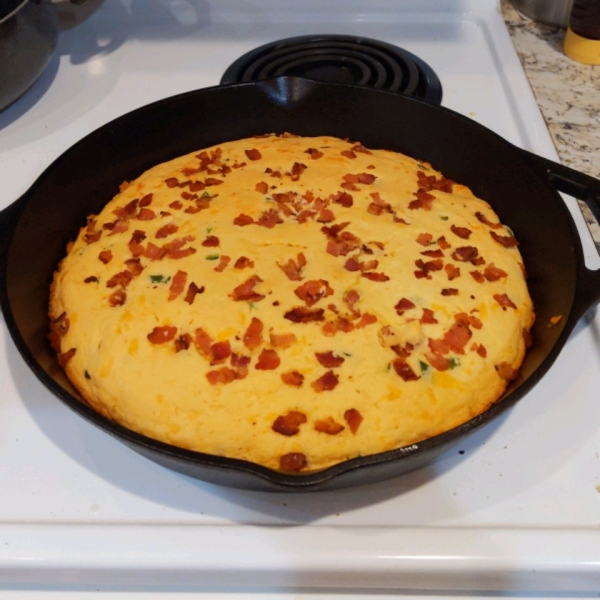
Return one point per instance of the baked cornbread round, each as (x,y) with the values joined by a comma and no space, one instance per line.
(294,302)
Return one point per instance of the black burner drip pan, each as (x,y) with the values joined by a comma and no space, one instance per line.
(340,59)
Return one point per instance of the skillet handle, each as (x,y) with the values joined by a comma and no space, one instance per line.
(8,221)
(585,188)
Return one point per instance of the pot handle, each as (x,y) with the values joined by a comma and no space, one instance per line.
(585,188)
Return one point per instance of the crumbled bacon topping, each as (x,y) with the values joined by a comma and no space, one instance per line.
(262,187)
(366,319)
(314,153)
(424,239)
(243,262)
(289,424)
(449,292)
(428,317)
(245,291)
(326,382)
(166,230)
(183,342)
(354,419)
(105,256)
(483,219)
(203,341)
(477,276)
(223,262)
(329,359)
(461,232)
(423,200)
(493,273)
(506,371)
(282,340)
(358,147)
(117,298)
(452,271)
(211,241)
(65,357)
(219,352)
(269,218)
(253,336)
(268,360)
(152,251)
(146,214)
(129,210)
(504,301)
(328,426)
(177,285)
(243,220)
(404,370)
(375,276)
(468,254)
(302,314)
(175,248)
(91,279)
(122,278)
(506,241)
(293,378)
(348,154)
(403,305)
(163,334)
(312,291)
(293,269)
(222,375)
(253,154)
(292,462)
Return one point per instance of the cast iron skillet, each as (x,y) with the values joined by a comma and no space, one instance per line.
(521,187)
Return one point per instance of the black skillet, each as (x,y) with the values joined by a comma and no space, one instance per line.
(521,187)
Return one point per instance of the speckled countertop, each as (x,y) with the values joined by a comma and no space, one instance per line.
(568,94)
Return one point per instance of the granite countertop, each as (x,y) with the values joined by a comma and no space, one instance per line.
(567,92)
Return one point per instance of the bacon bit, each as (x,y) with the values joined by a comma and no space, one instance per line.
(433,253)
(242,262)
(187,171)
(431,265)
(203,341)
(212,181)
(352,265)
(289,424)
(428,317)
(468,254)
(212,241)
(340,324)
(176,205)
(253,336)
(527,339)
(449,292)
(239,361)
(329,359)
(506,371)
(193,289)
(365,320)
(134,266)
(196,186)
(473,321)
(461,232)
(366,178)
(123,212)
(154,252)
(188,196)
(554,320)
(353,418)
(351,297)
(403,305)
(120,226)
(368,265)
(328,426)
(105,256)
(297,170)
(376,276)
(283,340)
(292,462)
(506,241)
(243,220)
(222,375)
(161,335)
(302,314)
(245,291)
(262,187)
(404,370)
(146,214)
(122,278)
(276,174)
(483,219)
(117,298)
(482,351)
(442,243)
(269,218)
(431,183)
(175,248)
(477,276)
(348,154)
(90,238)
(268,360)
(146,200)
(223,262)
(172,182)
(326,216)
(219,352)
(439,363)
(293,378)
(358,147)
(253,154)
(456,338)
(312,291)
(58,329)
(374,209)
(424,239)
(326,382)
(90,279)
(123,186)
(177,285)
(293,269)
(137,237)
(350,186)
(424,200)
(183,342)
(314,153)
(65,357)
(493,273)
(504,301)
(452,271)
(166,230)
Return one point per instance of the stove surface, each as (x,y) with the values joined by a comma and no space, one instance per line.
(515,507)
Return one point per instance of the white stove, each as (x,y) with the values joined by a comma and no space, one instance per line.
(514,508)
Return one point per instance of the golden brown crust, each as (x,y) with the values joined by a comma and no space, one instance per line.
(239,287)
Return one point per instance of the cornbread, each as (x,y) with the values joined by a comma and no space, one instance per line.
(292,301)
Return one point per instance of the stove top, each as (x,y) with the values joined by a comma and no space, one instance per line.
(515,507)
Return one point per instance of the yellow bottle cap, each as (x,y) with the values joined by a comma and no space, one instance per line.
(582,49)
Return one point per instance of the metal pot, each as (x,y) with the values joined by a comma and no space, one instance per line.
(28,36)
(550,12)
